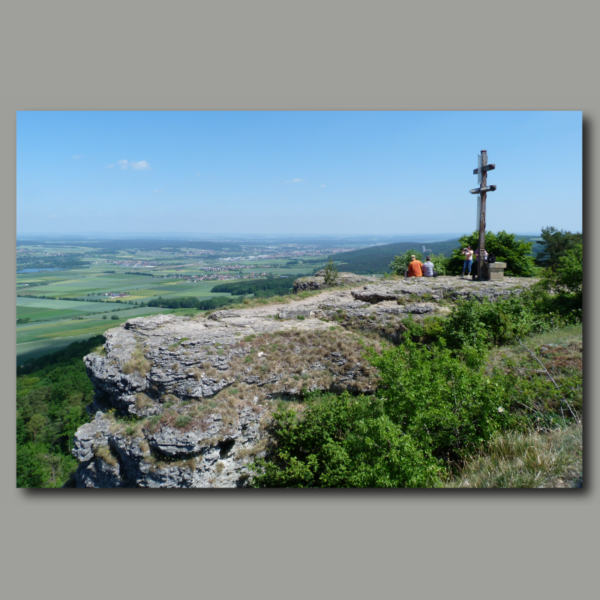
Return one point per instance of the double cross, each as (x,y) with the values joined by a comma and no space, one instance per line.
(481,171)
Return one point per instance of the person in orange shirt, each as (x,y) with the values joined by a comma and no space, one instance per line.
(415,267)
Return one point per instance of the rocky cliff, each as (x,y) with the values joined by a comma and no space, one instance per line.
(184,402)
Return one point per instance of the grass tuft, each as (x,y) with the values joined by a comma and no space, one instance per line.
(530,460)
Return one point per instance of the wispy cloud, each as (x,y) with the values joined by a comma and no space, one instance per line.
(52,217)
(322,185)
(78,156)
(157,191)
(140,165)
(295,180)
(109,166)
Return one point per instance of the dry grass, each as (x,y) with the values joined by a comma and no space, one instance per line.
(142,401)
(303,361)
(104,453)
(534,460)
(100,350)
(138,363)
(253,450)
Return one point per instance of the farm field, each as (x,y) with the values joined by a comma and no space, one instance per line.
(38,338)
(85,272)
(44,308)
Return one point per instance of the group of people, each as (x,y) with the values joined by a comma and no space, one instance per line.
(468,262)
(418,269)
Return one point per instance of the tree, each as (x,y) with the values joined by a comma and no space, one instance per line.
(566,277)
(555,243)
(114,317)
(504,246)
(331,273)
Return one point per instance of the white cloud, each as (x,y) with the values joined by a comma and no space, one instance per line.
(295,180)
(52,217)
(78,156)
(109,166)
(322,185)
(157,191)
(140,165)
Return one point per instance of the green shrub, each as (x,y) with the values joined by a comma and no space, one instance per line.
(445,402)
(341,441)
(566,277)
(331,273)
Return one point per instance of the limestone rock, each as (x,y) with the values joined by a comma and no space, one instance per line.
(185,402)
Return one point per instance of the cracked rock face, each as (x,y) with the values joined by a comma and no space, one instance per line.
(183,402)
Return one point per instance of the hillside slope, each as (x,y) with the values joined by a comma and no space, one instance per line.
(377,258)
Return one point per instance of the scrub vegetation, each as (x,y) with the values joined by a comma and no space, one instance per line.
(479,398)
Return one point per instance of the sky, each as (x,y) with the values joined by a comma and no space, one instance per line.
(295,173)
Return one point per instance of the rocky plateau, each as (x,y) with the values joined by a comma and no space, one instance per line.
(185,402)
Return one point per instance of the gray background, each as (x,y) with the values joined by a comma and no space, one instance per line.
(296,55)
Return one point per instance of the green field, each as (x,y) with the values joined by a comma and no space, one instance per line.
(35,339)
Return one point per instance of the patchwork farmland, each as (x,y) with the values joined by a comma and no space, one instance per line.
(68,293)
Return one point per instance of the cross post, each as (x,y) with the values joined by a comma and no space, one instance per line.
(481,171)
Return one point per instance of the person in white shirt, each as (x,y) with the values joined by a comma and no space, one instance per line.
(468,261)
(428,268)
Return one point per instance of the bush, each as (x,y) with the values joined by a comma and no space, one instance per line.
(331,273)
(445,402)
(340,441)
(566,278)
(114,317)
(434,407)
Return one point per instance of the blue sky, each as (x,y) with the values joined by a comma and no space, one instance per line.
(387,173)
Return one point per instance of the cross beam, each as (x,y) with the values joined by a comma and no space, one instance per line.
(484,169)
(483,190)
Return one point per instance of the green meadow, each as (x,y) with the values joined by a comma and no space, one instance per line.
(38,338)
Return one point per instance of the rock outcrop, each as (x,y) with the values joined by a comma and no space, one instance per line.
(184,402)
(317,281)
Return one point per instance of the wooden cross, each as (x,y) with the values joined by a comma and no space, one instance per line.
(481,171)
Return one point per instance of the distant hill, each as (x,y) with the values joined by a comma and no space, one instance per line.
(376,259)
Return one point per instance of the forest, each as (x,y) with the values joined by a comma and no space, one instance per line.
(261,288)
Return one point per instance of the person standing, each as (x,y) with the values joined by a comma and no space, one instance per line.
(428,268)
(415,267)
(468,254)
